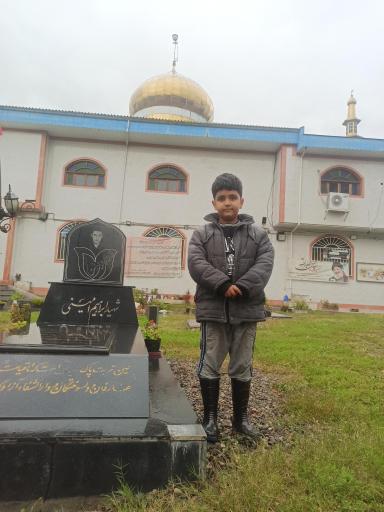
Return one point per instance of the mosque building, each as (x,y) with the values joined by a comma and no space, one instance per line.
(319,197)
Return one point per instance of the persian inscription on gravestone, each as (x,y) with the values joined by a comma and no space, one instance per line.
(72,386)
(154,257)
(75,303)
(95,253)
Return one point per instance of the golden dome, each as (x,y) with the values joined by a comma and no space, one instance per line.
(172,97)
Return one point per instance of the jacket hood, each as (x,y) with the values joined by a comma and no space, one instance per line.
(243,218)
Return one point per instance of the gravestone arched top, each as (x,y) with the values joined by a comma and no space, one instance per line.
(95,253)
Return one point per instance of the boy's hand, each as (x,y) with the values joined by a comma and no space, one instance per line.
(233,291)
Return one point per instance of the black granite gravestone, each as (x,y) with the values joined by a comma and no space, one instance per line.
(95,253)
(153,313)
(87,304)
(75,387)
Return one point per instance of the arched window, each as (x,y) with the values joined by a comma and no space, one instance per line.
(342,180)
(62,239)
(167,179)
(167,232)
(84,173)
(333,248)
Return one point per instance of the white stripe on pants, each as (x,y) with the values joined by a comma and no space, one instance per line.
(217,340)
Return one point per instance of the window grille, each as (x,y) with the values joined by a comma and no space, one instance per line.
(332,248)
(63,233)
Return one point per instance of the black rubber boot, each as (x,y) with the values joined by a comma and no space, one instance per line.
(210,395)
(240,398)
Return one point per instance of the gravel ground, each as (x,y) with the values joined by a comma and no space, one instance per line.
(265,411)
(265,405)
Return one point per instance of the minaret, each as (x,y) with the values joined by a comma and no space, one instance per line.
(352,121)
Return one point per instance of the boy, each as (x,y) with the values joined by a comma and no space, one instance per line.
(231,261)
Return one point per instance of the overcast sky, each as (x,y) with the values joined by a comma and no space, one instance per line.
(272,63)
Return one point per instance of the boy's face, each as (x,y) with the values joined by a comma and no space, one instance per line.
(227,203)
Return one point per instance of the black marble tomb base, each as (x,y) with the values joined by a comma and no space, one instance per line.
(54,458)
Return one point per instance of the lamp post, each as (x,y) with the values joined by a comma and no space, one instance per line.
(11,203)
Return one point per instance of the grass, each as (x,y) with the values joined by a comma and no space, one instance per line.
(330,369)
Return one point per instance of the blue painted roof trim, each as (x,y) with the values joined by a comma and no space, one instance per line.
(122,124)
(61,119)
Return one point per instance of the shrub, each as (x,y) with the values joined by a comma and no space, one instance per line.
(25,311)
(37,302)
(140,297)
(301,305)
(160,304)
(16,314)
(17,296)
(325,304)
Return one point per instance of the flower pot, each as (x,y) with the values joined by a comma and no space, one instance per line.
(152,345)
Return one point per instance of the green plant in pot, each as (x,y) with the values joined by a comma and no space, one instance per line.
(151,336)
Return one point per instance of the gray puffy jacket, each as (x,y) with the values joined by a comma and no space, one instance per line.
(253,266)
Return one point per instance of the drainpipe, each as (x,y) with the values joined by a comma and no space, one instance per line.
(125,172)
(298,223)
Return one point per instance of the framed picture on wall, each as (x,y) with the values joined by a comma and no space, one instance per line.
(370,272)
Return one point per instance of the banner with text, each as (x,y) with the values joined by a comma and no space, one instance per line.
(153,257)
(326,271)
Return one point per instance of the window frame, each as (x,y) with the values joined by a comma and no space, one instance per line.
(339,184)
(178,231)
(164,166)
(66,172)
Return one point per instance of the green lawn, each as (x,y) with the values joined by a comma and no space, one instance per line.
(330,369)
(330,372)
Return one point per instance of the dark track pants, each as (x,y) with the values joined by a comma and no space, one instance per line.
(217,340)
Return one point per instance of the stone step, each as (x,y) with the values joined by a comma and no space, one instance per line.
(5,293)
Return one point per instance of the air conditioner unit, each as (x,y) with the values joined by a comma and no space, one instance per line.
(337,202)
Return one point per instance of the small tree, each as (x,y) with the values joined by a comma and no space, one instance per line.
(140,297)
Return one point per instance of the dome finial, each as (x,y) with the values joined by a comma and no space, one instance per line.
(175,39)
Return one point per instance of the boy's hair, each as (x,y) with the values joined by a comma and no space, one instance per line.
(227,181)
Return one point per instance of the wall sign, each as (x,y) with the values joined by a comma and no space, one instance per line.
(153,257)
(326,271)
(370,272)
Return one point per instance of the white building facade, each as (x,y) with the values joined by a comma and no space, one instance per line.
(320,197)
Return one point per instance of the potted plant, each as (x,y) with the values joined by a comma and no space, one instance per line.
(151,336)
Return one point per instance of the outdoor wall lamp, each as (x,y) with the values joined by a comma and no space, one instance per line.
(11,203)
